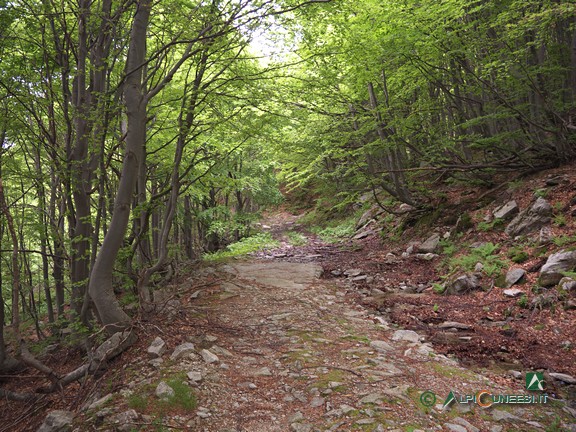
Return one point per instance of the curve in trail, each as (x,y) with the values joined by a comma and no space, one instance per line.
(296,355)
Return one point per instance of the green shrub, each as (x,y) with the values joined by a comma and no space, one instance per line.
(522,301)
(489,226)
(448,247)
(563,240)
(541,193)
(560,220)
(438,289)
(336,233)
(296,238)
(484,254)
(243,247)
(517,255)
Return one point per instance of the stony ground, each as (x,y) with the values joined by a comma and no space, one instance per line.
(269,343)
(276,348)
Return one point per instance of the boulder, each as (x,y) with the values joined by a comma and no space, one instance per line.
(568,379)
(124,421)
(514,276)
(363,234)
(454,325)
(209,357)
(426,256)
(430,244)
(551,272)
(567,284)
(507,211)
(368,215)
(406,335)
(195,376)
(530,219)
(513,292)
(406,208)
(182,350)
(545,235)
(156,348)
(459,284)
(164,390)
(57,421)
(381,346)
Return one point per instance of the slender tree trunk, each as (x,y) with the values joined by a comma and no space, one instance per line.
(187,228)
(389,156)
(80,173)
(100,287)
(43,223)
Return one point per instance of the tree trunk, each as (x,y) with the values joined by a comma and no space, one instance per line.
(101,280)
(389,157)
(187,228)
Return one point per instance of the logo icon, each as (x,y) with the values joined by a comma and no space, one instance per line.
(428,398)
(534,381)
(451,398)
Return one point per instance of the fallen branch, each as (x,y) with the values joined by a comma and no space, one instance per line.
(18,397)
(112,347)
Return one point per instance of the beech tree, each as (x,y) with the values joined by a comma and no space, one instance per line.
(117,110)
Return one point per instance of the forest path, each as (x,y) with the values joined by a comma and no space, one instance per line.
(294,354)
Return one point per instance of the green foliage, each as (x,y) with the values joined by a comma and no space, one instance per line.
(563,240)
(448,247)
(555,425)
(560,220)
(485,254)
(517,255)
(336,233)
(489,226)
(138,402)
(523,301)
(541,193)
(438,289)
(145,401)
(296,238)
(245,246)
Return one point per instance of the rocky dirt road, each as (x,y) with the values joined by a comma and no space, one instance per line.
(278,349)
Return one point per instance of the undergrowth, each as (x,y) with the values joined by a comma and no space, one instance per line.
(245,246)
(485,254)
(334,234)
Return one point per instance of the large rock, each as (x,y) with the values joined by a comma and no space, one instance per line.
(567,284)
(57,421)
(368,215)
(406,335)
(164,391)
(208,356)
(156,348)
(125,421)
(430,244)
(381,346)
(507,211)
(514,276)
(551,272)
(531,219)
(568,379)
(460,284)
(182,350)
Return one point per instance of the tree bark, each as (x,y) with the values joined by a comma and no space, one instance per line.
(100,286)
